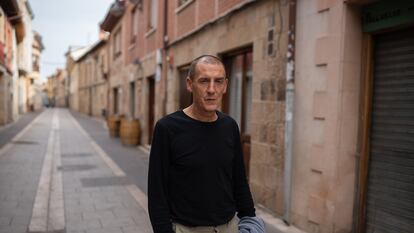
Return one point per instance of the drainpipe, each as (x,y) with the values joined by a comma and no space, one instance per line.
(289,106)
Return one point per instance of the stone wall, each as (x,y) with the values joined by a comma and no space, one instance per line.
(249,27)
(328,66)
(3,99)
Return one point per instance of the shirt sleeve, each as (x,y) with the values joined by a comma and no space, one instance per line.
(158,207)
(242,194)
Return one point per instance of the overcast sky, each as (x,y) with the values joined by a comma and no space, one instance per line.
(62,23)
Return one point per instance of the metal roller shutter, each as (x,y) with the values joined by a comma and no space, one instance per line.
(390,200)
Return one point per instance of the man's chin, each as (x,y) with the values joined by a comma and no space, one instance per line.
(211,108)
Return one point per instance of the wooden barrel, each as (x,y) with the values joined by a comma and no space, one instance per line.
(130,132)
(113,126)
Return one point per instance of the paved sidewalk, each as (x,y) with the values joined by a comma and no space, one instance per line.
(54,178)
(134,162)
(131,160)
(7,132)
(96,199)
(20,167)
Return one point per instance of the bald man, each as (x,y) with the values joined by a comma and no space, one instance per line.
(196,179)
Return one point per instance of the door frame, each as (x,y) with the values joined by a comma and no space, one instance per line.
(366,100)
(245,138)
(366,96)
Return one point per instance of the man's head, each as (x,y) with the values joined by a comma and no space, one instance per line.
(205,59)
(207,82)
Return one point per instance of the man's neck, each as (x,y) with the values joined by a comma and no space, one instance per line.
(196,114)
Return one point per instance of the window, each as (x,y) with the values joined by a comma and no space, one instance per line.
(117,44)
(152,14)
(134,25)
(35,64)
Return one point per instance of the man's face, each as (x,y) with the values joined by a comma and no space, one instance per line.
(208,86)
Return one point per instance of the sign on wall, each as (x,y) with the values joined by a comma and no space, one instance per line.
(387,14)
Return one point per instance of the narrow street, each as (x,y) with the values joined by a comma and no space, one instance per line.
(60,172)
(55,178)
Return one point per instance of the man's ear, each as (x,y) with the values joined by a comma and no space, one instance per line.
(189,84)
(226,83)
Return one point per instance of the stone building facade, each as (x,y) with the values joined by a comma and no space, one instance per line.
(116,55)
(7,71)
(16,39)
(148,65)
(24,55)
(35,93)
(353,64)
(251,38)
(73,73)
(135,58)
(322,91)
(93,73)
(56,89)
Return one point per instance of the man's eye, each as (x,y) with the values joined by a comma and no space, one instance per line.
(204,81)
(219,81)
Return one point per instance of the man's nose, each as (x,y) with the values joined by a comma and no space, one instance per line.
(211,88)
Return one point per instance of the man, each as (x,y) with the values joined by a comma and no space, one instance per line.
(196,179)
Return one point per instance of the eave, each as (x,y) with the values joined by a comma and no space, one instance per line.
(114,14)
(10,7)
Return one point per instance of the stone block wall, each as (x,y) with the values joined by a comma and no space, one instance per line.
(328,63)
(249,27)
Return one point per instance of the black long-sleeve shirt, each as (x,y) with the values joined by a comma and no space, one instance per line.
(196,173)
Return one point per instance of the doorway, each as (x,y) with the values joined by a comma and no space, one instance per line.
(132,100)
(388,198)
(238,101)
(185,98)
(115,93)
(151,108)
(90,102)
